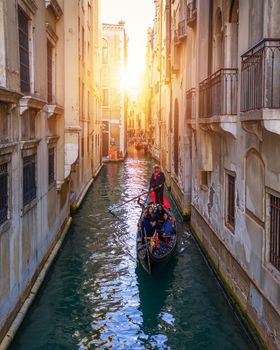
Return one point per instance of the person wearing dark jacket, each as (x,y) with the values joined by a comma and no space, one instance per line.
(157,184)
(159,216)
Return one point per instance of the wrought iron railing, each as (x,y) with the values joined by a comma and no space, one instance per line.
(191,12)
(190,102)
(260,76)
(182,29)
(218,94)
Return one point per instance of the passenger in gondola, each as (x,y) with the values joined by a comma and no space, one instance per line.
(167,227)
(151,213)
(157,184)
(159,216)
(148,226)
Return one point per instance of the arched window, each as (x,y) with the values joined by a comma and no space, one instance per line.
(176,137)
(233,19)
(218,42)
(105,51)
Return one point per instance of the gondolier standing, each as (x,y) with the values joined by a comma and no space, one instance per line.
(157,184)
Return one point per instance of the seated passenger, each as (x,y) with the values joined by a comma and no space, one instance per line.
(159,216)
(151,213)
(148,225)
(167,227)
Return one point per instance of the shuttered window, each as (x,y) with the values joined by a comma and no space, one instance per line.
(51,166)
(3,192)
(23,51)
(231,200)
(29,179)
(50,72)
(275,231)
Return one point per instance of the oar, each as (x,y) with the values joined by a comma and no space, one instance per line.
(130,200)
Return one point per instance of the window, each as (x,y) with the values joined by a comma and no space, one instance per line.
(204,179)
(274,255)
(29,179)
(51,166)
(28,125)
(83,45)
(4,122)
(50,71)
(230,215)
(24,51)
(104,51)
(89,14)
(3,192)
(105,97)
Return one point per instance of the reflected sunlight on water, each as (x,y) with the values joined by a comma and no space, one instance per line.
(96,296)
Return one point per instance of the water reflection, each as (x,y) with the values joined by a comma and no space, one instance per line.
(96,296)
(153,291)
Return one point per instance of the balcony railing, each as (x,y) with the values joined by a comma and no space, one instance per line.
(218,94)
(191,13)
(182,29)
(190,109)
(260,76)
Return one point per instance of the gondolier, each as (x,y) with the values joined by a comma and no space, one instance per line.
(157,184)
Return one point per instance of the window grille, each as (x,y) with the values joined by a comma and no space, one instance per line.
(51,166)
(50,71)
(29,179)
(23,51)
(275,231)
(231,201)
(3,192)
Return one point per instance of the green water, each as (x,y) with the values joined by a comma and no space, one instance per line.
(96,296)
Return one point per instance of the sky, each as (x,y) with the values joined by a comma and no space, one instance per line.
(138,16)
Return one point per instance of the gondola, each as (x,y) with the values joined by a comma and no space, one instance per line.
(150,254)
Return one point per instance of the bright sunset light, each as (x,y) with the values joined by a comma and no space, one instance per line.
(138,16)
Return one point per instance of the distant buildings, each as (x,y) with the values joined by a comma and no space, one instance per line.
(114,99)
(50,123)
(214,108)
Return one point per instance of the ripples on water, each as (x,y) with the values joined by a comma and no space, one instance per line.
(96,296)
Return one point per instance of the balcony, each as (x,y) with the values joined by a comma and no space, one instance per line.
(191,13)
(190,109)
(260,88)
(182,30)
(218,101)
(180,33)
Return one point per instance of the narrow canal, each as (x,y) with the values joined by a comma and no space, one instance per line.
(96,296)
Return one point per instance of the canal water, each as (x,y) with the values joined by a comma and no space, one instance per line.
(96,296)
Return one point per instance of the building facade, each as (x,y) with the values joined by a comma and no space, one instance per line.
(222,115)
(82,81)
(49,141)
(114,98)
